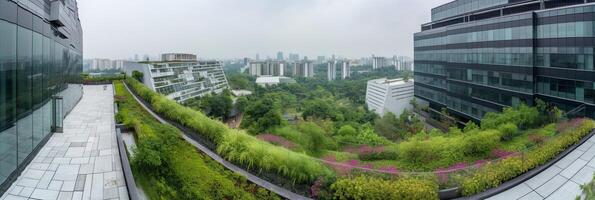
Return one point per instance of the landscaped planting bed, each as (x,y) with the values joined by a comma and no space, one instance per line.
(167,167)
(337,158)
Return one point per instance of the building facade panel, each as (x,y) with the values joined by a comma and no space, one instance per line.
(37,62)
(520,52)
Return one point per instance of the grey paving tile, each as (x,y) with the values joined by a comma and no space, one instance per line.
(68,186)
(569,159)
(12,197)
(543,177)
(551,186)
(584,175)
(65,196)
(97,187)
(27,182)
(77,196)
(585,146)
(569,190)
(513,193)
(573,168)
(67,172)
(532,196)
(55,185)
(26,192)
(45,194)
(15,190)
(33,174)
(589,153)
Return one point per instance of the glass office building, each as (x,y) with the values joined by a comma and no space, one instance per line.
(478,56)
(40,66)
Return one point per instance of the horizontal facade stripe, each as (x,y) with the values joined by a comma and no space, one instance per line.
(569,74)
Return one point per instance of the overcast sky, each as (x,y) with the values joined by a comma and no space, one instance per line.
(119,29)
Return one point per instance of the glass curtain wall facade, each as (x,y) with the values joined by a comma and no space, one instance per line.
(37,62)
(474,61)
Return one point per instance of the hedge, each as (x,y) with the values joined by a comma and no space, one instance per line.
(234,145)
(364,187)
(495,173)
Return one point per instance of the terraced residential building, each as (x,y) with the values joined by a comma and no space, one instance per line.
(181,76)
(40,65)
(477,56)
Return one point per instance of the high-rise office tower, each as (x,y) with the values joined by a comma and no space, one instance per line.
(477,56)
(280,56)
(41,59)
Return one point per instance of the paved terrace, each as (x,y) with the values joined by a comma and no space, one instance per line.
(561,180)
(81,163)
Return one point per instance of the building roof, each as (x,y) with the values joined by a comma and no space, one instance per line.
(391,82)
(273,80)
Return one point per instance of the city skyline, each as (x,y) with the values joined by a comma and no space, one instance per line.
(310,28)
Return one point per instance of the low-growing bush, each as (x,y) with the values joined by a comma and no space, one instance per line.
(508,130)
(494,174)
(481,143)
(363,187)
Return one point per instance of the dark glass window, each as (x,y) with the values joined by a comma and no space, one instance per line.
(25,120)
(8,134)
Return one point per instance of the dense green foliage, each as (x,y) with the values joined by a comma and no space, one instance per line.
(395,129)
(217,106)
(170,168)
(236,146)
(588,190)
(363,187)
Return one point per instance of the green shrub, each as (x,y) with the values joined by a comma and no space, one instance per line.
(372,188)
(420,152)
(347,130)
(481,143)
(508,130)
(494,174)
(236,146)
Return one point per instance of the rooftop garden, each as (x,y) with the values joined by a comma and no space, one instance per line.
(320,134)
(167,167)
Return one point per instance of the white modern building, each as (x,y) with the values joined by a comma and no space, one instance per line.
(101,64)
(267,68)
(389,95)
(265,81)
(303,68)
(180,76)
(338,68)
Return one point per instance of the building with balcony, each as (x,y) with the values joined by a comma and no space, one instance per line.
(41,61)
(478,56)
(379,62)
(389,95)
(181,77)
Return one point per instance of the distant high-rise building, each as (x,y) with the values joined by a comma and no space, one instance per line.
(267,68)
(379,62)
(181,77)
(280,56)
(402,63)
(479,56)
(320,60)
(294,57)
(257,58)
(101,64)
(341,66)
(303,68)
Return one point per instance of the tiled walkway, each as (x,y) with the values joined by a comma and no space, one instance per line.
(560,181)
(81,163)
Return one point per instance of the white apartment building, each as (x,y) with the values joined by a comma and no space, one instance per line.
(267,68)
(303,68)
(101,64)
(389,95)
(180,77)
(343,67)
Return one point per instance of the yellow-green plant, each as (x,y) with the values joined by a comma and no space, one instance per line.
(363,187)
